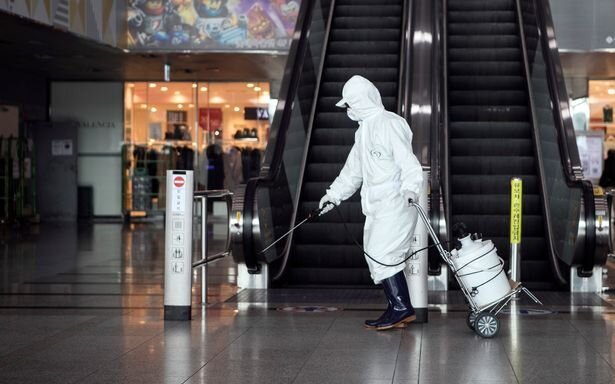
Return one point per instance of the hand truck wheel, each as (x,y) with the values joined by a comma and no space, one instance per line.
(471,320)
(486,325)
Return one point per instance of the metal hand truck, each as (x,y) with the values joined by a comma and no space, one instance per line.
(482,320)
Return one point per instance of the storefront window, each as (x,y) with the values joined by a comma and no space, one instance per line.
(219,130)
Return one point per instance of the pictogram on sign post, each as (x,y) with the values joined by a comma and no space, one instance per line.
(178,246)
(516,219)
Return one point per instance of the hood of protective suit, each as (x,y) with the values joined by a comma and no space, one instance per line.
(363,98)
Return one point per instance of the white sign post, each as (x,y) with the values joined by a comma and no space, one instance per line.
(178,246)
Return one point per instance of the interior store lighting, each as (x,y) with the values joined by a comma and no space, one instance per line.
(177,93)
(227,106)
(191,105)
(250,85)
(194,85)
(131,85)
(203,89)
(164,89)
(152,85)
(144,106)
(154,109)
(236,109)
(180,106)
(257,89)
(611,91)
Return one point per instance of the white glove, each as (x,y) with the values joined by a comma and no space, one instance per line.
(411,196)
(327,207)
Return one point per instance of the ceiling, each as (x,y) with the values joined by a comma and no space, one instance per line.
(32,47)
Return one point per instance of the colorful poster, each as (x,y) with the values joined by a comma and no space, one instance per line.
(211,24)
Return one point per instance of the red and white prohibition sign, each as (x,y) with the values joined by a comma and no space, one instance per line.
(179,181)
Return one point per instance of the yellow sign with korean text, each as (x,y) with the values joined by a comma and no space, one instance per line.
(516,210)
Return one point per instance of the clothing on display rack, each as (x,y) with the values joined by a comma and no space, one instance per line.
(233,169)
(215,168)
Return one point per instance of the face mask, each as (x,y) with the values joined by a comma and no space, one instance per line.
(352,115)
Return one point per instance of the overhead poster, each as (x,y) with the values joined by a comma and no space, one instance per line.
(227,25)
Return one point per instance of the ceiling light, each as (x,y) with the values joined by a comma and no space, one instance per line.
(227,106)
(250,85)
(131,85)
(164,89)
(194,85)
(154,109)
(203,89)
(191,105)
(143,106)
(152,85)
(180,106)
(177,93)
(236,109)
(611,91)
(257,89)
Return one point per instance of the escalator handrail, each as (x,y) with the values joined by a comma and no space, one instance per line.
(565,129)
(405,63)
(275,149)
(446,182)
(557,85)
(287,246)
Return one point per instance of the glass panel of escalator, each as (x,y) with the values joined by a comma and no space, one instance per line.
(563,202)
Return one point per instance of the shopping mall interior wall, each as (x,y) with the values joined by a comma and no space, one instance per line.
(27,91)
(97,109)
(584,25)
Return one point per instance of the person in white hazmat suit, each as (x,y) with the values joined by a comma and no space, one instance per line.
(382,164)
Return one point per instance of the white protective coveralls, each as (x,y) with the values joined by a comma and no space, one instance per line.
(382,161)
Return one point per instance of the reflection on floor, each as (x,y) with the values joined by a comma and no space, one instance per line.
(82,304)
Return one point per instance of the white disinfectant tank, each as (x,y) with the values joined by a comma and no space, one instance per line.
(481,271)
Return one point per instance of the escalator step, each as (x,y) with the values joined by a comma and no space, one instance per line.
(482,16)
(328,153)
(314,191)
(480,5)
(322,172)
(334,119)
(483,54)
(382,10)
(489,147)
(490,130)
(494,225)
(327,256)
(491,97)
(368,22)
(366,30)
(492,184)
(363,47)
(329,233)
(363,60)
(486,68)
(482,41)
(373,74)
(486,83)
(484,204)
(334,89)
(482,29)
(324,136)
(488,113)
(493,165)
(373,3)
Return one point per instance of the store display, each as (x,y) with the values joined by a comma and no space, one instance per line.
(607,114)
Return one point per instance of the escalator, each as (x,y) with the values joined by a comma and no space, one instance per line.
(490,130)
(503,122)
(481,84)
(364,39)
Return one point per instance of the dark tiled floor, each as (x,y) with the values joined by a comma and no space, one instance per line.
(82,304)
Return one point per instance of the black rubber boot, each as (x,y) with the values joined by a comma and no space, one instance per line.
(373,323)
(401,311)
